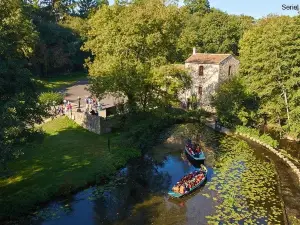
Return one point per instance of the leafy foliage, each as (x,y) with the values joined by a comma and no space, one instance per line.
(128,44)
(18,98)
(270,66)
(87,6)
(252,132)
(49,98)
(214,32)
(197,6)
(234,104)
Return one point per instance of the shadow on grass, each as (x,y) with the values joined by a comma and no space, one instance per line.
(69,157)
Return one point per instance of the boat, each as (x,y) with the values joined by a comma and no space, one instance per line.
(197,156)
(179,195)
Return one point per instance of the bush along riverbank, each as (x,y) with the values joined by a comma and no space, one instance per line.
(266,141)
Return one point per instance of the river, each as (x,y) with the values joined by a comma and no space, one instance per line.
(241,187)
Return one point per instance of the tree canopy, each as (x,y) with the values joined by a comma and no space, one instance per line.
(234,104)
(214,32)
(127,44)
(197,6)
(18,98)
(270,66)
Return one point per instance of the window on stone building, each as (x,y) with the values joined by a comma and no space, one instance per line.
(200,70)
(229,70)
(200,91)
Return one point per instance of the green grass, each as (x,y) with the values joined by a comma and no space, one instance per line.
(69,157)
(59,81)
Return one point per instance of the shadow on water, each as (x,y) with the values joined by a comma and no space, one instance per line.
(138,195)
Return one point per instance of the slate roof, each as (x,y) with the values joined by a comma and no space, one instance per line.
(206,58)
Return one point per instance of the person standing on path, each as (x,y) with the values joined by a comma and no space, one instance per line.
(90,104)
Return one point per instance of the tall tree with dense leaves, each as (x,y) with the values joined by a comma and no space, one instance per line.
(127,43)
(58,48)
(18,98)
(86,6)
(234,104)
(215,32)
(198,6)
(270,64)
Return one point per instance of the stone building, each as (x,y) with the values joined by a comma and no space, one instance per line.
(207,72)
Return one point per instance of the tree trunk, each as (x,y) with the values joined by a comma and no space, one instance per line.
(284,93)
(279,126)
(131,103)
(287,106)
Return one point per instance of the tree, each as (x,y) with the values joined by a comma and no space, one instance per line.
(18,98)
(59,7)
(198,6)
(270,64)
(234,104)
(127,43)
(58,48)
(86,6)
(168,82)
(215,32)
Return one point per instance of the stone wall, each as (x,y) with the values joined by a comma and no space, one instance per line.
(210,123)
(213,75)
(95,124)
(208,82)
(224,68)
(276,152)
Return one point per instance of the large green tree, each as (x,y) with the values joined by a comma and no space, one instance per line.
(198,6)
(214,32)
(18,98)
(234,104)
(85,7)
(127,44)
(57,49)
(270,64)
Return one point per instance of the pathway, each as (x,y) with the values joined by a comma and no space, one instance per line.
(80,89)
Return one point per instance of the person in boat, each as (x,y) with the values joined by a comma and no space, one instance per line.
(176,188)
(182,189)
(191,151)
(187,188)
(198,149)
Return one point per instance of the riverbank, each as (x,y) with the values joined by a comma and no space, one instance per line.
(270,145)
(137,195)
(286,169)
(66,159)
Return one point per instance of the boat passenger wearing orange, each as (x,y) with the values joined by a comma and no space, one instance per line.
(181,190)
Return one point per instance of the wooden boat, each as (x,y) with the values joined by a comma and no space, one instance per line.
(178,195)
(198,156)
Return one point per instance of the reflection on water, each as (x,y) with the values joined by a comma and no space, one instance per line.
(138,195)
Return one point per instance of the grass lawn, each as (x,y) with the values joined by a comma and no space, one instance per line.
(67,158)
(59,81)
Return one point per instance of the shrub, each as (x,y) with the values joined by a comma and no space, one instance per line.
(49,98)
(255,134)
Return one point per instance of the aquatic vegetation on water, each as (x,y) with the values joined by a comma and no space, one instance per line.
(245,187)
(53,212)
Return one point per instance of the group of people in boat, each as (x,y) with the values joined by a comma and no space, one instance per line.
(188,182)
(194,149)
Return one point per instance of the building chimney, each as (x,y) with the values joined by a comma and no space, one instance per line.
(194,51)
